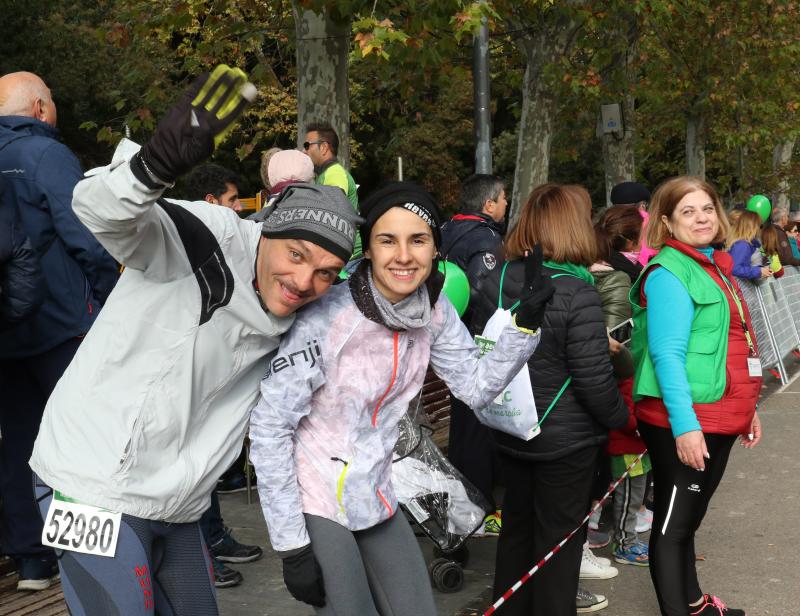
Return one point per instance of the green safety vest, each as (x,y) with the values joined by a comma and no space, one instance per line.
(336,175)
(707,350)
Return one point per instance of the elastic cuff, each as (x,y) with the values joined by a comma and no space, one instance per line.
(289,553)
(145,175)
(524,330)
(685,426)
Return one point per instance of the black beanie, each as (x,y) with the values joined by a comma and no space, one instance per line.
(408,195)
(629,193)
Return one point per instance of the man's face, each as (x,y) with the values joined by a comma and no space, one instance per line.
(229,199)
(291,273)
(496,208)
(318,151)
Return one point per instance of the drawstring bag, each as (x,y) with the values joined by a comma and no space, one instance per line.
(514,410)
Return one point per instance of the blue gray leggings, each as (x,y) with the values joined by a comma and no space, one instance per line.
(159,568)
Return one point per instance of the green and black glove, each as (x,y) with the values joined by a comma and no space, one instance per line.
(536,292)
(190,131)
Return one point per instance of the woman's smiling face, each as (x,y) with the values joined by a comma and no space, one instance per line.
(401,250)
(694,221)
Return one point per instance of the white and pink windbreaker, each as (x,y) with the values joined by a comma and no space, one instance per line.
(324,430)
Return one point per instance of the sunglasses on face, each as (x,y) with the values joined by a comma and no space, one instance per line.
(308,144)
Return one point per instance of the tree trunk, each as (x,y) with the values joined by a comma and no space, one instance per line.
(542,47)
(618,156)
(696,144)
(533,144)
(322,93)
(781,157)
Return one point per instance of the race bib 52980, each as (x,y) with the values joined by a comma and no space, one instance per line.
(81,528)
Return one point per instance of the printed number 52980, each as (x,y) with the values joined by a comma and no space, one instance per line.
(81,528)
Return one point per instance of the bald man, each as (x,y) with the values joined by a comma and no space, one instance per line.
(39,174)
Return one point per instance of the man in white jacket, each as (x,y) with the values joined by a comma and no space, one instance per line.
(154,406)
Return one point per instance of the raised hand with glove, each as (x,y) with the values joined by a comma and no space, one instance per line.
(303,577)
(536,293)
(190,131)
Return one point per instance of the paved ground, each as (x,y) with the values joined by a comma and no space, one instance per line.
(749,540)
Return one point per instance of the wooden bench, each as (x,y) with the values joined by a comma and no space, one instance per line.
(436,404)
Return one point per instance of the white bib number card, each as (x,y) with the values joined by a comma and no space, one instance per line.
(80,528)
(754,366)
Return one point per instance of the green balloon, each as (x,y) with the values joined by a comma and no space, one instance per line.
(760,205)
(456,285)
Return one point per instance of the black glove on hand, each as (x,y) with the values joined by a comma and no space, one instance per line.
(303,577)
(190,131)
(536,292)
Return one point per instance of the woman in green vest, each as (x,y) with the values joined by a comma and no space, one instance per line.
(697,380)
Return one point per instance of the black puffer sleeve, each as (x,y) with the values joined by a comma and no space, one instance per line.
(589,361)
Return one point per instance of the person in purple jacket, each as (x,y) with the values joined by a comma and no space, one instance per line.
(744,246)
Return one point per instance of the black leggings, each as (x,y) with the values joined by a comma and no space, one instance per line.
(681,500)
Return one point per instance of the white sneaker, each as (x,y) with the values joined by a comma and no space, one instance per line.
(589,602)
(644,520)
(593,567)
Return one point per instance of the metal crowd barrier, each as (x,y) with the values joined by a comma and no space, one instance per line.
(775,312)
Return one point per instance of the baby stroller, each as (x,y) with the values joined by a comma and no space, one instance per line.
(435,497)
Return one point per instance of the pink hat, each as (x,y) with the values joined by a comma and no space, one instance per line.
(290,165)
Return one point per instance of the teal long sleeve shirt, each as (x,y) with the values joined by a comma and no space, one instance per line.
(670,312)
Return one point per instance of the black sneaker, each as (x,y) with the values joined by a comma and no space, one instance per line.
(224,576)
(713,606)
(36,573)
(235,482)
(229,550)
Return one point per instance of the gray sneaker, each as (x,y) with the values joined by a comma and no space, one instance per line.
(588,602)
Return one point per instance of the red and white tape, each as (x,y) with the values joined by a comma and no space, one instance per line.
(555,550)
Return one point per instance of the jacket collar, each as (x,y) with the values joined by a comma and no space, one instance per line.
(722,259)
(481,218)
(328,163)
(22,126)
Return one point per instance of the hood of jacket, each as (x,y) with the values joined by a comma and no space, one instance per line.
(16,127)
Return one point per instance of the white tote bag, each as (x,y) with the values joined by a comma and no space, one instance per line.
(514,410)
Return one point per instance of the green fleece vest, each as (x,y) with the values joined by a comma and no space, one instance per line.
(708,339)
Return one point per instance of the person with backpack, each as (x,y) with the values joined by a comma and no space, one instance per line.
(549,478)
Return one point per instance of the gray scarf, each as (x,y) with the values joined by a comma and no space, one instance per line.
(411,312)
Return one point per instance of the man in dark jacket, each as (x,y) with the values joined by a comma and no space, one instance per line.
(40,173)
(21,282)
(473,239)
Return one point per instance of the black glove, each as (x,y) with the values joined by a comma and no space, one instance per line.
(536,292)
(303,577)
(190,131)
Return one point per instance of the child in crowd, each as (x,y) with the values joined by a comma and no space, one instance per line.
(618,232)
(744,245)
(769,237)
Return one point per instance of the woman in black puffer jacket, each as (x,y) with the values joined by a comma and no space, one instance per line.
(549,478)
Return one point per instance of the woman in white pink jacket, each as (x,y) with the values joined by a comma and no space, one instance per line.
(325,427)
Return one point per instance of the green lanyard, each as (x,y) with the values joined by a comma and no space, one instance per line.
(500,294)
(740,309)
(513,307)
